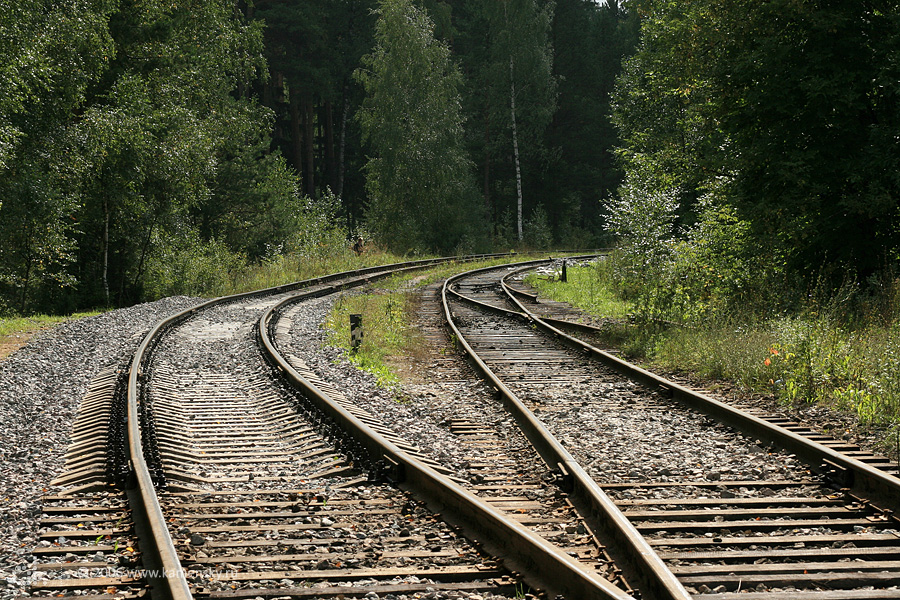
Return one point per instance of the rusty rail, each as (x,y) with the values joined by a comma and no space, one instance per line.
(856,475)
(542,564)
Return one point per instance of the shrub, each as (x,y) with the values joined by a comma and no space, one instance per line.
(536,230)
(190,267)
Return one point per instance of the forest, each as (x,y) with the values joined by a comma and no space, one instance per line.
(154,147)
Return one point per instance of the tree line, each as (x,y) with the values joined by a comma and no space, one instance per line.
(148,146)
(130,145)
(759,145)
(529,79)
(145,143)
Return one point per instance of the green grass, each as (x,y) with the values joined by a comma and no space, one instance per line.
(388,315)
(387,333)
(798,359)
(15,331)
(290,268)
(585,289)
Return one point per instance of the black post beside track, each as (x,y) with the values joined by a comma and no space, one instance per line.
(540,563)
(162,566)
(654,577)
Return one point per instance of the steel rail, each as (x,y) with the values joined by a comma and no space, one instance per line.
(655,579)
(851,473)
(164,571)
(542,565)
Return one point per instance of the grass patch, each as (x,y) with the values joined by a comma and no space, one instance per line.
(288,268)
(388,335)
(388,316)
(585,288)
(16,331)
(798,359)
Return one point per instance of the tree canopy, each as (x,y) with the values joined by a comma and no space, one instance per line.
(795,103)
(123,136)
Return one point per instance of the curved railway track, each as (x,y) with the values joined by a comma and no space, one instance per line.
(240,487)
(105,534)
(242,473)
(781,514)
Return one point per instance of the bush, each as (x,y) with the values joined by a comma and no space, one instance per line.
(536,230)
(190,267)
(642,217)
(505,237)
(316,232)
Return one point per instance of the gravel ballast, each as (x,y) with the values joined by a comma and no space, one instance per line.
(41,386)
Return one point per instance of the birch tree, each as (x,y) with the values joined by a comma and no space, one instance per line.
(517,76)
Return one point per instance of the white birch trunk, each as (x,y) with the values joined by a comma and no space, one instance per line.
(515,140)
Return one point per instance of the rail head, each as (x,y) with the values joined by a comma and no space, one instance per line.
(167,579)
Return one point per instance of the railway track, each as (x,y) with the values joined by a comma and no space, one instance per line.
(236,485)
(249,485)
(103,533)
(781,513)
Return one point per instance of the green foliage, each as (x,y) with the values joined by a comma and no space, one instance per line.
(717,265)
(791,99)
(537,232)
(590,40)
(386,325)
(191,267)
(521,57)
(314,229)
(121,134)
(37,231)
(418,178)
(763,121)
(507,55)
(312,48)
(642,216)
(51,53)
